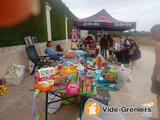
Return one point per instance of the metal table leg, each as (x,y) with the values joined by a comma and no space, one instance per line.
(46,110)
(82,102)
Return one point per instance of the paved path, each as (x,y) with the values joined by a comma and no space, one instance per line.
(138,91)
(16,105)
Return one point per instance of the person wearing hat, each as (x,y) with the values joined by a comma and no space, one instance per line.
(155,88)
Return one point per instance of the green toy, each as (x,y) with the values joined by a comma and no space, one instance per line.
(73,78)
(113,71)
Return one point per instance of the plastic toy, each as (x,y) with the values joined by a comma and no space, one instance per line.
(35,116)
(73,84)
(79,66)
(59,66)
(99,60)
(3,89)
(68,70)
(70,55)
(43,86)
(59,79)
(44,74)
(73,89)
(87,85)
(89,59)
(90,74)
(113,71)
(110,76)
(73,78)
(82,73)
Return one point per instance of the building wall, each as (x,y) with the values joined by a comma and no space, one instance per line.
(17,54)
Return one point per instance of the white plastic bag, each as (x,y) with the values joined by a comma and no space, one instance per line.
(53,107)
(15,74)
(124,73)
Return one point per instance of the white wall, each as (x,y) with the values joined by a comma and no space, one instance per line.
(17,54)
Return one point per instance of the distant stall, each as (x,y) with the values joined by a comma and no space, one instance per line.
(103,21)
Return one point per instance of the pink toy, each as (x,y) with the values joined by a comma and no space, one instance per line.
(73,89)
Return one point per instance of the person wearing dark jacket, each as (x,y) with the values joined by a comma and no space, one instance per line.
(104,46)
(134,52)
(110,42)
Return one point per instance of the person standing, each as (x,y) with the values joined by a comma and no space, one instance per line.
(125,52)
(155,88)
(111,43)
(104,46)
(134,52)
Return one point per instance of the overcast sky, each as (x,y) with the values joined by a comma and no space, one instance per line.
(144,12)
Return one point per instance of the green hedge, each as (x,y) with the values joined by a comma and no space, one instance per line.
(58,12)
(36,26)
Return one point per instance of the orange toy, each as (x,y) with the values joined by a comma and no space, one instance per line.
(71,55)
(68,70)
(99,61)
(59,79)
(43,87)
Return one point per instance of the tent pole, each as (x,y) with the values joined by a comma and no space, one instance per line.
(135,33)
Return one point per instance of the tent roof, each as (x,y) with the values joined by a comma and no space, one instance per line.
(104,21)
(102,16)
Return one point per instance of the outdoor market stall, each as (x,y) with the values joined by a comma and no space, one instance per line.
(79,74)
(76,75)
(103,21)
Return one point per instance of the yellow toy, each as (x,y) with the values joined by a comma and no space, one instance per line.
(3,89)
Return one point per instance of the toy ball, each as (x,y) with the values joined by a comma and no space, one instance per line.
(14,11)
